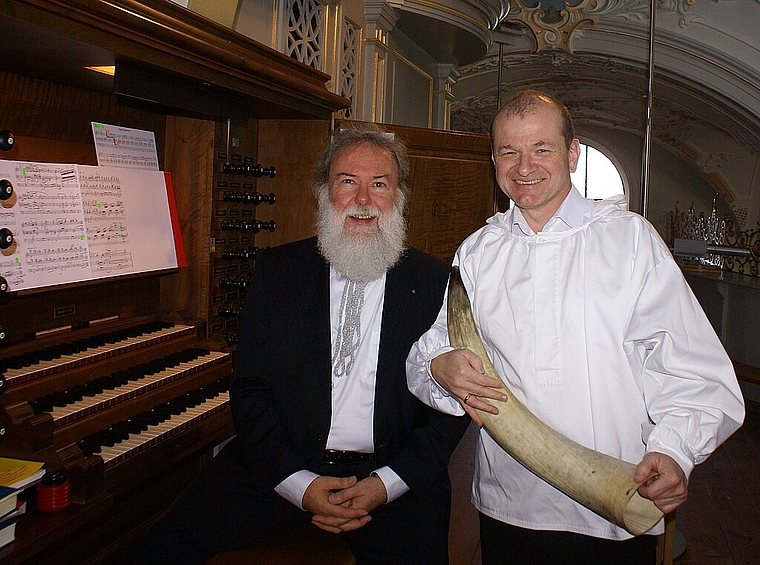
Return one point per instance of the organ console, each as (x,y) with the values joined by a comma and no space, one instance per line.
(121,383)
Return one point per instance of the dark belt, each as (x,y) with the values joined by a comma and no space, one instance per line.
(336,457)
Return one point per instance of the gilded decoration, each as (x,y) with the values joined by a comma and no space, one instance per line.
(554,22)
(719,232)
(749,239)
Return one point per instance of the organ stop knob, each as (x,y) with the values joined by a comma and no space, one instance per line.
(6,189)
(6,140)
(6,238)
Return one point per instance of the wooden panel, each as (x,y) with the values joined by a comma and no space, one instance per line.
(450,200)
(166,35)
(451,185)
(747,372)
(452,182)
(293,147)
(23,316)
(189,157)
(62,114)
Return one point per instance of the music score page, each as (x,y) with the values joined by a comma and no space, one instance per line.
(73,223)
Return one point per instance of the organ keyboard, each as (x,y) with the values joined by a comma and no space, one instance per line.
(114,406)
(28,366)
(137,441)
(105,392)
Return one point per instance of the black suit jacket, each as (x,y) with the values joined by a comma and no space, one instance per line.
(281,385)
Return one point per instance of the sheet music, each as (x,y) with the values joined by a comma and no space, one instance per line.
(128,220)
(45,213)
(117,146)
(73,223)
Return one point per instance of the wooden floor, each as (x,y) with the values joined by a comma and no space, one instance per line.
(719,524)
(721,519)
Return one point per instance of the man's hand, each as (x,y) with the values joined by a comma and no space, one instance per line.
(368,493)
(663,481)
(343,504)
(331,516)
(461,373)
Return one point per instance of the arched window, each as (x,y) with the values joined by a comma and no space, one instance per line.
(596,176)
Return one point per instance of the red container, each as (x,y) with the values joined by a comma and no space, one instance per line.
(54,492)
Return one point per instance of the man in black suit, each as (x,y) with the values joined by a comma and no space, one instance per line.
(327,430)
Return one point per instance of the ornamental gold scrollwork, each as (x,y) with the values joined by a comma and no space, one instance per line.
(746,239)
(553,23)
(552,27)
(725,232)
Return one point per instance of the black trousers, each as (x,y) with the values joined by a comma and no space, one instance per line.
(220,512)
(503,544)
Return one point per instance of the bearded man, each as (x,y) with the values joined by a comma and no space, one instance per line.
(327,430)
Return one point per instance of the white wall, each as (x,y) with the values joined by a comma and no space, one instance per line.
(255,19)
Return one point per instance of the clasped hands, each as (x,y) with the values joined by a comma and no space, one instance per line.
(342,504)
(461,373)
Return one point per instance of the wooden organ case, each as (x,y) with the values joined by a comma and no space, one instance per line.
(145,357)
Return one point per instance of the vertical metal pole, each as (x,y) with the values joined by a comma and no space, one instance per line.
(496,189)
(498,77)
(648,129)
(585,172)
(229,135)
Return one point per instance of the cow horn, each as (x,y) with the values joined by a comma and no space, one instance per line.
(598,481)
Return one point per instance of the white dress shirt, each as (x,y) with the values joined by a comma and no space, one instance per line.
(353,394)
(592,326)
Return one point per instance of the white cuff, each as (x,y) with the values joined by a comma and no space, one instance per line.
(294,487)
(394,486)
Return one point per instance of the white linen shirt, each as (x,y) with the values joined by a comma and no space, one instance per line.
(591,324)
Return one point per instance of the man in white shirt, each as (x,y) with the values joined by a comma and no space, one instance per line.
(327,430)
(590,323)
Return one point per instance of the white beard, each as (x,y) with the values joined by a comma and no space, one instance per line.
(365,255)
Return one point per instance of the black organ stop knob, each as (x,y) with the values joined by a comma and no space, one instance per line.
(256,225)
(6,238)
(258,198)
(6,189)
(230,310)
(247,197)
(238,282)
(256,170)
(6,140)
(248,253)
(232,168)
(260,171)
